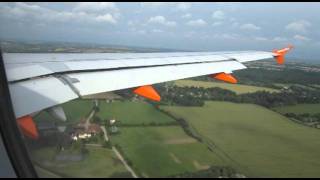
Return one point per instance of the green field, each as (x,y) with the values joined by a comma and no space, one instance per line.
(75,110)
(100,162)
(300,109)
(237,88)
(259,142)
(163,151)
(128,112)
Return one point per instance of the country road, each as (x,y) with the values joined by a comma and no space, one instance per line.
(124,162)
(105,133)
(134,175)
(87,124)
(118,153)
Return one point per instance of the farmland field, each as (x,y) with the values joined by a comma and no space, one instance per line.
(300,109)
(75,110)
(128,112)
(237,88)
(100,162)
(163,151)
(260,142)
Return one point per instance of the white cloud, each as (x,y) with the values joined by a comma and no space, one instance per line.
(228,36)
(250,26)
(197,23)
(218,15)
(260,38)
(141,32)
(95,6)
(298,26)
(279,39)
(157,31)
(162,20)
(215,24)
(235,24)
(186,16)
(106,18)
(28,12)
(301,38)
(183,6)
(154,4)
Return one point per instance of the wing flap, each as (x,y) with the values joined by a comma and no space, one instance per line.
(37,94)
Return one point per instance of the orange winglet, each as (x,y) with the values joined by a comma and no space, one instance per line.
(279,54)
(147,92)
(224,77)
(28,127)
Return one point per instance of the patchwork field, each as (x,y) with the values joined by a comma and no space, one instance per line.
(100,162)
(300,109)
(128,112)
(163,151)
(258,142)
(237,88)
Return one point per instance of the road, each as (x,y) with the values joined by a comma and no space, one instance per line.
(118,154)
(105,133)
(87,124)
(134,175)
(124,162)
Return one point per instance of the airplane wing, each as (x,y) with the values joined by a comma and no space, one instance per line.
(43,80)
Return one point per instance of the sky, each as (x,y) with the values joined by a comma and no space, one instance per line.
(174,25)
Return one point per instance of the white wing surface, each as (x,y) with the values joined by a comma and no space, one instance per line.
(40,81)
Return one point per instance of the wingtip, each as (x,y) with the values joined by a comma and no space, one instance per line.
(279,54)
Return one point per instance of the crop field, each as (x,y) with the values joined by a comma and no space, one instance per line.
(237,88)
(100,162)
(137,112)
(300,109)
(257,141)
(163,151)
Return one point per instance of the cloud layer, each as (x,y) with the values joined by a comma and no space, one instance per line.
(178,25)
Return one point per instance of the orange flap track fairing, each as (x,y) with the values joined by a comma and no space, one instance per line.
(28,127)
(224,77)
(148,92)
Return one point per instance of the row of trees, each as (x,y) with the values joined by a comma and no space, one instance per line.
(267,77)
(305,118)
(195,96)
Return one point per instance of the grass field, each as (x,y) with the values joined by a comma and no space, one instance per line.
(300,109)
(74,110)
(101,162)
(77,109)
(128,112)
(237,88)
(163,151)
(259,142)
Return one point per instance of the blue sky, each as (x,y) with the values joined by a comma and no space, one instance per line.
(189,26)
